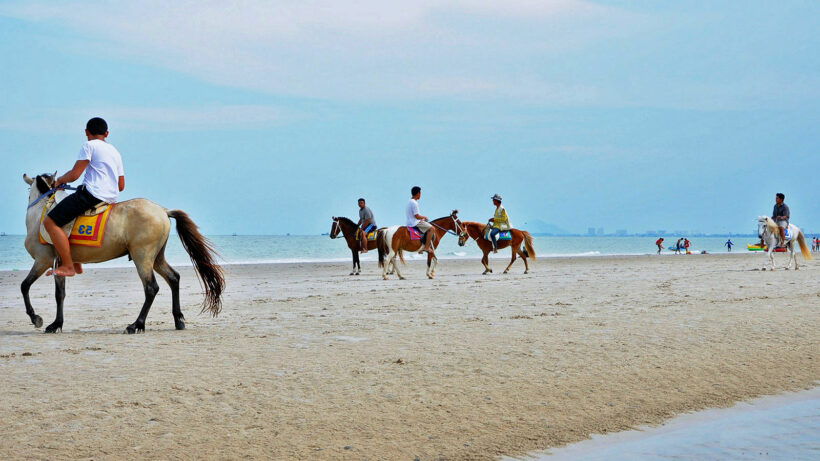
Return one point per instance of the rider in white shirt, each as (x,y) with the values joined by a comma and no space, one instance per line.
(416,219)
(104,180)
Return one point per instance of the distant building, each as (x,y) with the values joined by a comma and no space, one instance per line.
(600,231)
(590,231)
(620,232)
(661,232)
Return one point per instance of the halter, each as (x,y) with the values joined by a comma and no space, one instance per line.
(63,187)
(336,225)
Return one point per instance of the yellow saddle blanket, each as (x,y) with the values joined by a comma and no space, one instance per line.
(370,235)
(86,230)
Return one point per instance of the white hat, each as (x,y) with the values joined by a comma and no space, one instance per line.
(496,197)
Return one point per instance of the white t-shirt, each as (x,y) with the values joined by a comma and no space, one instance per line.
(103,171)
(412,211)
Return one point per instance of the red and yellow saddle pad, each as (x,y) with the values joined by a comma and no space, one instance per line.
(87,231)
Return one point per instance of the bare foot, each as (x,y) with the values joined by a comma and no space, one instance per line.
(78,268)
(364,251)
(63,271)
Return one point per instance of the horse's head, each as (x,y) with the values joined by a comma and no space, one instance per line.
(459,228)
(764,223)
(41,184)
(335,228)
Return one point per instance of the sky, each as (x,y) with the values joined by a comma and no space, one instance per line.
(269,117)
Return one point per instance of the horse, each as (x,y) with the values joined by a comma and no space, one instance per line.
(393,241)
(349,230)
(475,231)
(137,228)
(768,231)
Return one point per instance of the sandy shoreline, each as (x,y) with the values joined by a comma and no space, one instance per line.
(308,362)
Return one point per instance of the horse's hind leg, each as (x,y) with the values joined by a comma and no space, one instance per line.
(172,277)
(524,258)
(36,271)
(145,268)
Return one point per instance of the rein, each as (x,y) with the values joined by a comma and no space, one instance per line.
(64,187)
(448,231)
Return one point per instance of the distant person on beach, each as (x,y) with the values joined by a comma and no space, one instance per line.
(499,221)
(780,215)
(677,246)
(686,245)
(103,181)
(366,223)
(659,243)
(415,219)
(728,245)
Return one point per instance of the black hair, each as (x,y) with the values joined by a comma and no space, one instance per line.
(96,126)
(361,200)
(415,190)
(780,196)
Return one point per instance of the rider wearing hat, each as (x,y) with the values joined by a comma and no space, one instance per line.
(499,221)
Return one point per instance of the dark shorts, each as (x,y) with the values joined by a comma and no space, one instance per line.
(72,206)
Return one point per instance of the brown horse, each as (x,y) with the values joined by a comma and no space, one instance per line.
(475,231)
(349,230)
(392,241)
(137,228)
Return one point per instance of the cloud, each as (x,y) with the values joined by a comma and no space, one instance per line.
(358,50)
(155,119)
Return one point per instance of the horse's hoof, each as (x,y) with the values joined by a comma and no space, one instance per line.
(505,272)
(37,321)
(385,278)
(179,324)
(133,328)
(526,272)
(401,278)
(54,328)
(352,273)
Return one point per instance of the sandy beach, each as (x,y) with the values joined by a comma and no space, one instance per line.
(308,362)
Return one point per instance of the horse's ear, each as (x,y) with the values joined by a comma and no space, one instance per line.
(28,180)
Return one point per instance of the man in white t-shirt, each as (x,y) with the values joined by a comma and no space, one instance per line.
(104,180)
(414,218)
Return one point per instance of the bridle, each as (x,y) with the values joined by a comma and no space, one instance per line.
(335,226)
(456,224)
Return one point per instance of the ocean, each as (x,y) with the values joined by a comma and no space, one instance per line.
(257,249)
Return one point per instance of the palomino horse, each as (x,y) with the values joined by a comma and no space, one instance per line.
(475,231)
(349,230)
(394,240)
(768,231)
(138,228)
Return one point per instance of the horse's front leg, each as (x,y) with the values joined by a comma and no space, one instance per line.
(36,271)
(59,294)
(355,257)
(512,260)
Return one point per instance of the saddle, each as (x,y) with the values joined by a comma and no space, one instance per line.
(371,236)
(85,230)
(503,235)
(416,234)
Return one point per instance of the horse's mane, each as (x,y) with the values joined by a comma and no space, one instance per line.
(347,221)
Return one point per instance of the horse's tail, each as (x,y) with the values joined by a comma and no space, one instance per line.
(203,256)
(804,250)
(381,245)
(529,250)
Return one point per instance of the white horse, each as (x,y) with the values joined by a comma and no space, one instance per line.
(768,231)
(137,228)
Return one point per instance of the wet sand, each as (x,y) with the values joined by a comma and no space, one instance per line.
(307,362)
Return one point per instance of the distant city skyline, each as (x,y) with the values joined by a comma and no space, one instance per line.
(271,117)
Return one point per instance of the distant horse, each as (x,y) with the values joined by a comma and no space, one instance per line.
(138,228)
(475,231)
(394,240)
(768,231)
(349,231)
